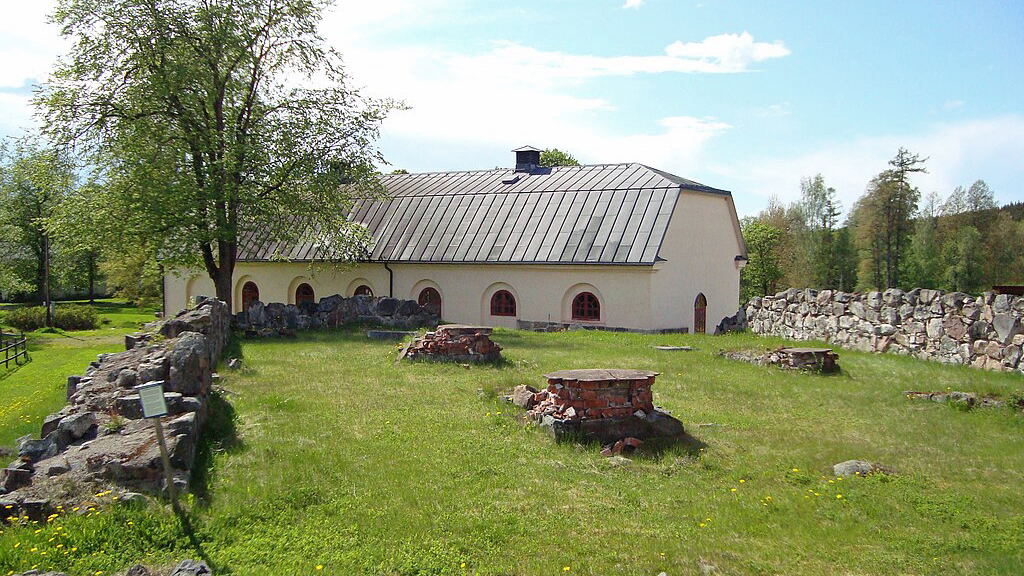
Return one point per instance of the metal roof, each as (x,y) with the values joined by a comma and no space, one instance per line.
(596,214)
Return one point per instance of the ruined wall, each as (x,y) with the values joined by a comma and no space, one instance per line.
(277,319)
(100,439)
(985,331)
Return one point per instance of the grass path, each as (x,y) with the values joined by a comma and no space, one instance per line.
(352,463)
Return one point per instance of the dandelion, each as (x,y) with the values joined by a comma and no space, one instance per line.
(566,569)
(796,469)
(732,490)
(839,496)
(742,480)
(319,566)
(463,565)
(702,524)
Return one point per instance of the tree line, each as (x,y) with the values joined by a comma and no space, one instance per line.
(891,238)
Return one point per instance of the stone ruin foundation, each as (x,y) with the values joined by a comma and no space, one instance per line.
(602,405)
(100,439)
(820,360)
(455,343)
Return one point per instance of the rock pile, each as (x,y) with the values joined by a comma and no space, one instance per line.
(969,399)
(455,343)
(277,319)
(822,360)
(100,438)
(985,331)
(602,405)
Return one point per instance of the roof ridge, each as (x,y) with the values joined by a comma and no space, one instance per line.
(481,171)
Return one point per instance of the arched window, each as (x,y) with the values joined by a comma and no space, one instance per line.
(431,300)
(250,294)
(586,307)
(700,314)
(503,303)
(304,293)
(363,290)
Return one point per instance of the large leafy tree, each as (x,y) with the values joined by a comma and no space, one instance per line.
(556,157)
(34,181)
(210,120)
(763,271)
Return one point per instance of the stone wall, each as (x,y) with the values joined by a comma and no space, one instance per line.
(286,319)
(985,331)
(99,439)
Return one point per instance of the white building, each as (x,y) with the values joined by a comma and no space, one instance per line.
(614,245)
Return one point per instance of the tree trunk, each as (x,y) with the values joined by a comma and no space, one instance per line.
(92,277)
(223,285)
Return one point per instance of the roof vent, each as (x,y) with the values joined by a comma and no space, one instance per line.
(511,180)
(527,158)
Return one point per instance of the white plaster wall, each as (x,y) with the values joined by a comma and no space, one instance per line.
(543,293)
(700,250)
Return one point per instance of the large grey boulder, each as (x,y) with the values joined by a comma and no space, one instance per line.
(1007,326)
(853,468)
(190,365)
(77,425)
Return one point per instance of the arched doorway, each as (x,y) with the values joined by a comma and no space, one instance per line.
(700,314)
(250,294)
(431,300)
(304,293)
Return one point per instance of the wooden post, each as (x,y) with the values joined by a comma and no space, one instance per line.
(168,476)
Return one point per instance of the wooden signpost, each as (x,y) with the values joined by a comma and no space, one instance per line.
(151,395)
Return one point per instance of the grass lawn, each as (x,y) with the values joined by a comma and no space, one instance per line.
(29,393)
(346,461)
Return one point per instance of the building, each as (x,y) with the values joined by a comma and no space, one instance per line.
(611,245)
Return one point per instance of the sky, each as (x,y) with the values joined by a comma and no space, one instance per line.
(746,96)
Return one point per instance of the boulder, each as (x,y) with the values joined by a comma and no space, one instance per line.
(191,568)
(77,425)
(190,365)
(1007,326)
(522,396)
(853,468)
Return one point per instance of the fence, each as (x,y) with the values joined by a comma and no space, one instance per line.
(13,347)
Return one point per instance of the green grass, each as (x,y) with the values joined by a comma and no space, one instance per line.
(114,314)
(346,460)
(30,392)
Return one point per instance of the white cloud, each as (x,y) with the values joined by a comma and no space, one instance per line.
(958,153)
(633,4)
(728,52)
(29,44)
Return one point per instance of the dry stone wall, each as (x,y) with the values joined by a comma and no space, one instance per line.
(100,439)
(277,319)
(986,331)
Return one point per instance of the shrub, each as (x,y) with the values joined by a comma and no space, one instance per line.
(67,317)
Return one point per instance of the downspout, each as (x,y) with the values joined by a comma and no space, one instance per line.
(391,279)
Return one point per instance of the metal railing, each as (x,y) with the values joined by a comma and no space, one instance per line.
(13,347)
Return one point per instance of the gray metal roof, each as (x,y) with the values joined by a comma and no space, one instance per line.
(597,214)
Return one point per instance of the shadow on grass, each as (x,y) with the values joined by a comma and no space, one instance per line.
(220,434)
(652,448)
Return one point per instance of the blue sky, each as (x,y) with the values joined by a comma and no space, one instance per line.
(746,96)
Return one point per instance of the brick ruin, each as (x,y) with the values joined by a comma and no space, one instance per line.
(455,343)
(604,405)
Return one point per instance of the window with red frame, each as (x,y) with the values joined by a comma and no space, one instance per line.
(586,307)
(503,303)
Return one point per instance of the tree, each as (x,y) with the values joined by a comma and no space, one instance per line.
(555,157)
(821,214)
(963,255)
(34,181)
(188,112)
(844,254)
(885,220)
(762,273)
